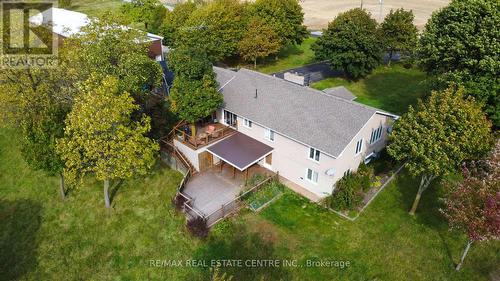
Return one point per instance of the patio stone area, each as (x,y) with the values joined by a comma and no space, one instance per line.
(211,189)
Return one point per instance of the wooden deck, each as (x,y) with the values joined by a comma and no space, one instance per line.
(205,134)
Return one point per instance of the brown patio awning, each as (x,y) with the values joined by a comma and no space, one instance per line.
(240,150)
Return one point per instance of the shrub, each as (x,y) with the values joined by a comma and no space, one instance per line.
(349,189)
(255,179)
(384,163)
(347,194)
(198,227)
(377,181)
(364,176)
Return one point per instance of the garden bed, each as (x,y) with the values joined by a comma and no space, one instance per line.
(264,196)
(354,192)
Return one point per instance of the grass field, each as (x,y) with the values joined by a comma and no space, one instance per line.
(95,7)
(389,88)
(290,57)
(385,243)
(42,238)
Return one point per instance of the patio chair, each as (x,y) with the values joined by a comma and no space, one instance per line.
(210,129)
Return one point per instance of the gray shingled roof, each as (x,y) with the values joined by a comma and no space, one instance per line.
(325,122)
(340,92)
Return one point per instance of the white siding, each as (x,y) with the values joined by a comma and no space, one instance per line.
(291,158)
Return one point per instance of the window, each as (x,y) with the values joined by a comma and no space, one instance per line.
(312,176)
(314,154)
(269,134)
(248,123)
(376,134)
(230,118)
(359,146)
(348,172)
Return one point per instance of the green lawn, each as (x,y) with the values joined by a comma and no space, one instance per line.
(385,243)
(42,238)
(290,57)
(389,88)
(95,7)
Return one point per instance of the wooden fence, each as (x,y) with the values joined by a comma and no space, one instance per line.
(234,205)
(225,210)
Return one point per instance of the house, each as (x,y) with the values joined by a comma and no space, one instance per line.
(66,23)
(311,138)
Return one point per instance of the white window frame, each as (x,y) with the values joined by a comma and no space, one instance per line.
(316,154)
(360,144)
(376,135)
(347,172)
(224,116)
(269,135)
(311,180)
(247,123)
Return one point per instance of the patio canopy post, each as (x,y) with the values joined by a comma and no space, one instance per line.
(234,172)
(221,163)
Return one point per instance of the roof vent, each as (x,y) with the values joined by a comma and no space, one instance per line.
(256,93)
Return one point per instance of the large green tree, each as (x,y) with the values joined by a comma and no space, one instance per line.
(41,126)
(284,16)
(174,20)
(105,47)
(259,41)
(36,102)
(189,62)
(399,34)
(193,100)
(461,44)
(149,12)
(351,43)
(217,26)
(101,138)
(435,138)
(194,93)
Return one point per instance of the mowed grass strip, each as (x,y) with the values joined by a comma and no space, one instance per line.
(290,57)
(391,88)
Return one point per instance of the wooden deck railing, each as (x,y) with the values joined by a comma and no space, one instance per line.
(233,205)
(204,140)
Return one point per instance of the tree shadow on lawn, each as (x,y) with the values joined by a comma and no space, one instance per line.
(428,209)
(236,242)
(427,213)
(20,221)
